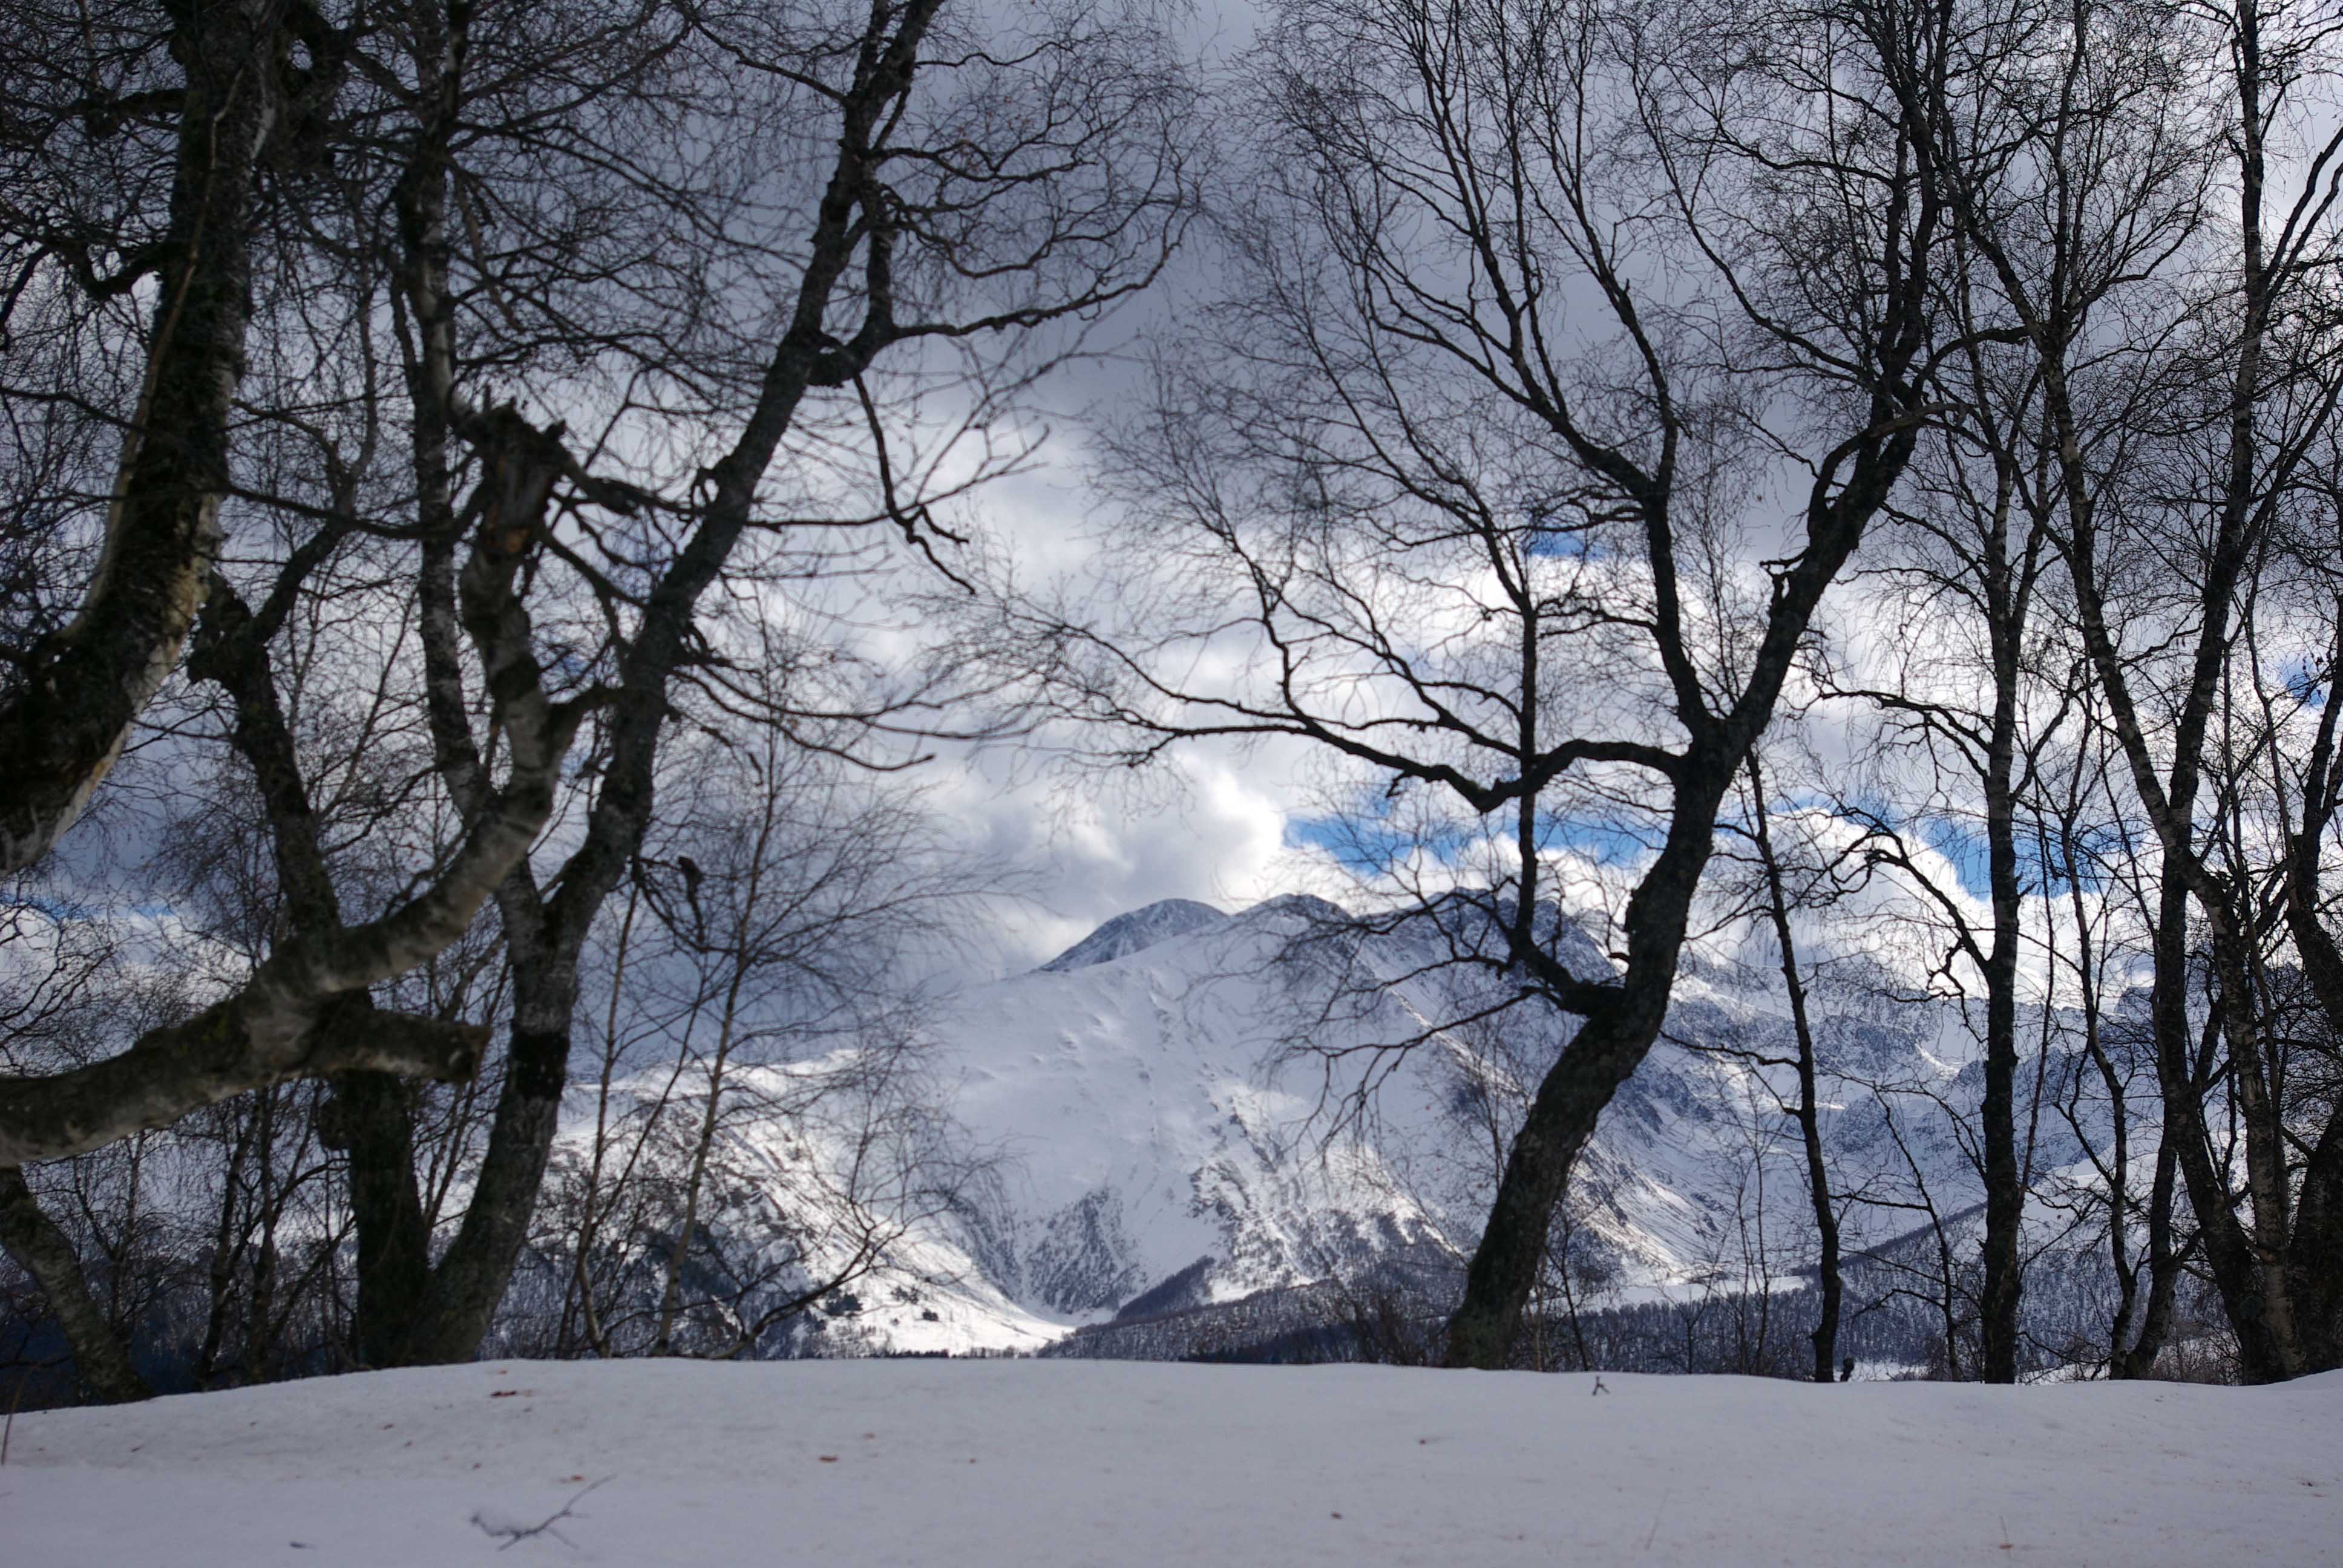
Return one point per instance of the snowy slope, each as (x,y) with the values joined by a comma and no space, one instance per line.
(1054,1464)
(804,1177)
(1136,1096)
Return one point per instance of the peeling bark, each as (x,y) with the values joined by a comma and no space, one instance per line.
(66,720)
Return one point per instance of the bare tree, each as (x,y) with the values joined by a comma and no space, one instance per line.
(2085,843)
(949,184)
(233,104)
(2075,234)
(1779,902)
(800,906)
(1529,299)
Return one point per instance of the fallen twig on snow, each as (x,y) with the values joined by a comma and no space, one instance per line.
(514,1534)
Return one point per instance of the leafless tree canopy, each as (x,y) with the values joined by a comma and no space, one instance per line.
(419,411)
(481,486)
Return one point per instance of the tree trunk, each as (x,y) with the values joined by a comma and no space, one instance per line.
(545,935)
(101,1360)
(2316,1260)
(370,1117)
(2005,1191)
(2228,1253)
(2139,1361)
(453,1315)
(62,729)
(1809,1112)
(1609,1046)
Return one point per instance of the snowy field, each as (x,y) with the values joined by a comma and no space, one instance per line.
(1038,1465)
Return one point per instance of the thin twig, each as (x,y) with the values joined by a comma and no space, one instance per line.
(8,1427)
(516,1533)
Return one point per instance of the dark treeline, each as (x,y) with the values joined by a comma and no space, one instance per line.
(1893,1324)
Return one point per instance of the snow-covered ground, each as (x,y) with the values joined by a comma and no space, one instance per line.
(1037,1464)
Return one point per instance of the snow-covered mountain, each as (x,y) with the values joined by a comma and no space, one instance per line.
(1172,1103)
(1155,1143)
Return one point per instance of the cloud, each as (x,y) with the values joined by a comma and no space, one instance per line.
(1208,824)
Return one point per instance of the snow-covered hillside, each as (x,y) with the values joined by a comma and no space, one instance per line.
(1133,1090)
(1054,1464)
(1167,1095)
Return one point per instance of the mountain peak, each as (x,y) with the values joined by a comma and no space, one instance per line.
(1130,933)
(1306,906)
